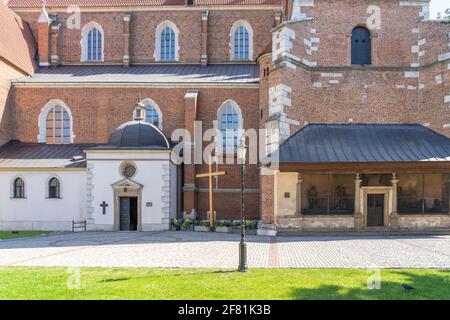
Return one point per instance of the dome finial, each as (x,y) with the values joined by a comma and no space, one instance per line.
(139,111)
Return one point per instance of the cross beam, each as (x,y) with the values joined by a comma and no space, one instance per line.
(211,174)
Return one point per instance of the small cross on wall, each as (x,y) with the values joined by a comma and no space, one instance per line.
(104,205)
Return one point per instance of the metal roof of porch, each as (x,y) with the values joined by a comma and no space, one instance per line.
(364,143)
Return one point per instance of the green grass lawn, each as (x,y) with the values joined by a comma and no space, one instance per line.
(20,234)
(121,283)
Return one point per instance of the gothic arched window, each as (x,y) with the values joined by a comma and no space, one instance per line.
(230,122)
(92,41)
(58,129)
(241,41)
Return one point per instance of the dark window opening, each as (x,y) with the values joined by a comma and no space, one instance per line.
(361,46)
(328,194)
(19,188)
(54,189)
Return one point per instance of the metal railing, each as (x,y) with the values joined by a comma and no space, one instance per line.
(79,226)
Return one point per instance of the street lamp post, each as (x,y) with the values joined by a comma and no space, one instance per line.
(242,153)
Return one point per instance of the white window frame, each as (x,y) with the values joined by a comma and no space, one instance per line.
(42,122)
(84,41)
(237,25)
(220,147)
(159,29)
(151,102)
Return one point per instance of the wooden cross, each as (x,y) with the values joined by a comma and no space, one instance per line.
(104,205)
(211,175)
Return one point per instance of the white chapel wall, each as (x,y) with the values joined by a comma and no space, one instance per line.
(151,171)
(36,212)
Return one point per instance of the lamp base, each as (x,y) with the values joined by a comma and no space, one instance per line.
(243,267)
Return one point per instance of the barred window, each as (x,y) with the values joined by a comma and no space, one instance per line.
(168,45)
(54,189)
(19,188)
(94,45)
(58,128)
(241,44)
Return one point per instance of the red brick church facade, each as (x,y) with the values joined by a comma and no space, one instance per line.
(301,51)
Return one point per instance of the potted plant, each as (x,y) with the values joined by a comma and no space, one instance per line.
(251,227)
(185,226)
(224,227)
(201,226)
(175,225)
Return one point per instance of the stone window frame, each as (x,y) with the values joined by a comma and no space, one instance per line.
(125,164)
(362,23)
(84,41)
(159,29)
(13,187)
(42,121)
(150,102)
(240,130)
(234,28)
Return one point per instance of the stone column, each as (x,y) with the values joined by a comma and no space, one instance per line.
(358,210)
(299,193)
(126,39)
(204,57)
(394,217)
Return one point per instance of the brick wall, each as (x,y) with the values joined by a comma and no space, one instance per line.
(143,27)
(334,20)
(97,112)
(7,73)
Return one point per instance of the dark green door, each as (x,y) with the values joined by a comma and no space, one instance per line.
(128,214)
(375,210)
(124,214)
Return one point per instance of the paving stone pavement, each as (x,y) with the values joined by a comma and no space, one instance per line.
(214,250)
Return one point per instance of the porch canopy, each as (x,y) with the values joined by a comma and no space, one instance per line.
(364,147)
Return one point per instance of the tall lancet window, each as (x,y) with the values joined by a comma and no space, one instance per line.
(241,41)
(230,122)
(92,43)
(168,45)
(241,44)
(361,46)
(95,45)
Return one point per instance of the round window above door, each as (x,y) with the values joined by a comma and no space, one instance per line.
(128,170)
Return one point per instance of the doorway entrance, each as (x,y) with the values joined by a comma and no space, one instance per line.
(375,210)
(128,214)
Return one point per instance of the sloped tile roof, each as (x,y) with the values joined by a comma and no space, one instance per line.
(128,3)
(227,73)
(16,154)
(356,143)
(17,45)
